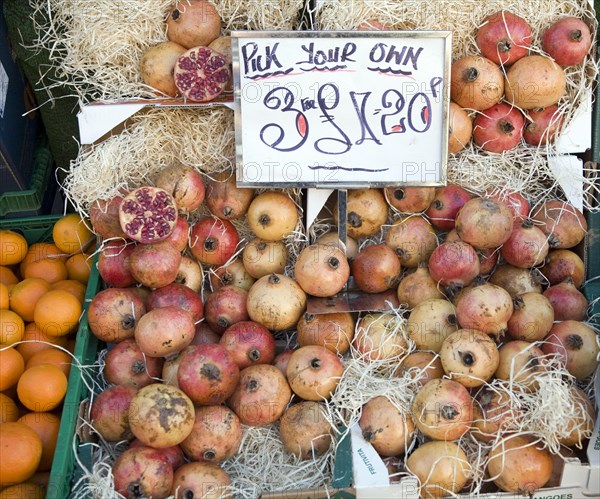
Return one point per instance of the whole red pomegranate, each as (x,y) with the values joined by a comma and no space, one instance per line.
(567,301)
(225,307)
(445,205)
(201,74)
(526,247)
(564,224)
(185,184)
(173,455)
(180,235)
(249,343)
(126,364)
(155,265)
(177,295)
(417,287)
(225,199)
(314,372)
(486,308)
(142,472)
(189,274)
(113,314)
(567,41)
(543,125)
(334,331)
(504,37)
(113,263)
(148,214)
(193,22)
(454,264)
(409,199)
(164,331)
(516,203)
(376,268)
(213,241)
(498,128)
(564,264)
(413,239)
(110,412)
(532,318)
(104,217)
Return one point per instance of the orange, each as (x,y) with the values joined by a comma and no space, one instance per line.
(25,490)
(7,276)
(20,453)
(42,388)
(79,267)
(46,425)
(76,288)
(25,295)
(12,366)
(4,299)
(36,341)
(49,269)
(9,412)
(57,313)
(54,356)
(13,247)
(71,234)
(40,251)
(12,328)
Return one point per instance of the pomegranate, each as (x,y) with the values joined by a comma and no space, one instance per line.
(157,65)
(148,214)
(567,301)
(441,467)
(177,295)
(445,205)
(517,463)
(409,199)
(216,435)
(173,455)
(185,184)
(193,22)
(532,317)
(314,372)
(567,41)
(233,273)
(272,216)
(332,239)
(142,472)
(204,334)
(161,415)
(113,314)
(225,307)
(276,302)
(180,235)
(109,414)
(367,211)
(387,428)
(164,331)
(564,264)
(564,224)
(493,414)
(142,292)
(224,199)
(516,203)
(380,336)
(282,360)
(417,287)
(249,343)
(534,81)
(155,265)
(580,425)
(213,241)
(113,263)
(372,25)
(171,367)
(520,364)
(413,239)
(322,270)
(476,83)
(261,396)
(200,479)
(576,345)
(526,247)
(189,274)
(421,366)
(333,331)
(543,126)
(484,224)
(261,258)
(469,357)
(376,268)
(443,410)
(488,258)
(454,265)
(222,45)
(517,281)
(504,37)
(201,74)
(430,323)
(104,217)
(498,128)
(208,374)
(126,364)
(305,430)
(486,308)
(460,128)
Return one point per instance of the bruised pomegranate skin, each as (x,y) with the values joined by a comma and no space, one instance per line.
(445,205)
(213,241)
(126,364)
(226,307)
(498,128)
(532,318)
(486,308)
(164,331)
(484,224)
(110,412)
(567,41)
(155,265)
(148,214)
(249,343)
(516,280)
(454,264)
(208,374)
(143,472)
(185,184)
(113,314)
(113,263)
(224,199)
(201,479)
(564,264)
(504,37)
(104,217)
(201,74)
(543,125)
(177,295)
(192,23)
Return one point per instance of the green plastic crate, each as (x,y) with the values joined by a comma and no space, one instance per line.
(32,198)
(39,229)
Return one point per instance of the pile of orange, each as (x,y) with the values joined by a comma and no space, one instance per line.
(42,289)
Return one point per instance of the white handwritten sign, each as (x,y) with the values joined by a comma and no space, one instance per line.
(341,109)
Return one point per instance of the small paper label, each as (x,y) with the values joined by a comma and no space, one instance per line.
(369,469)
(3,89)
